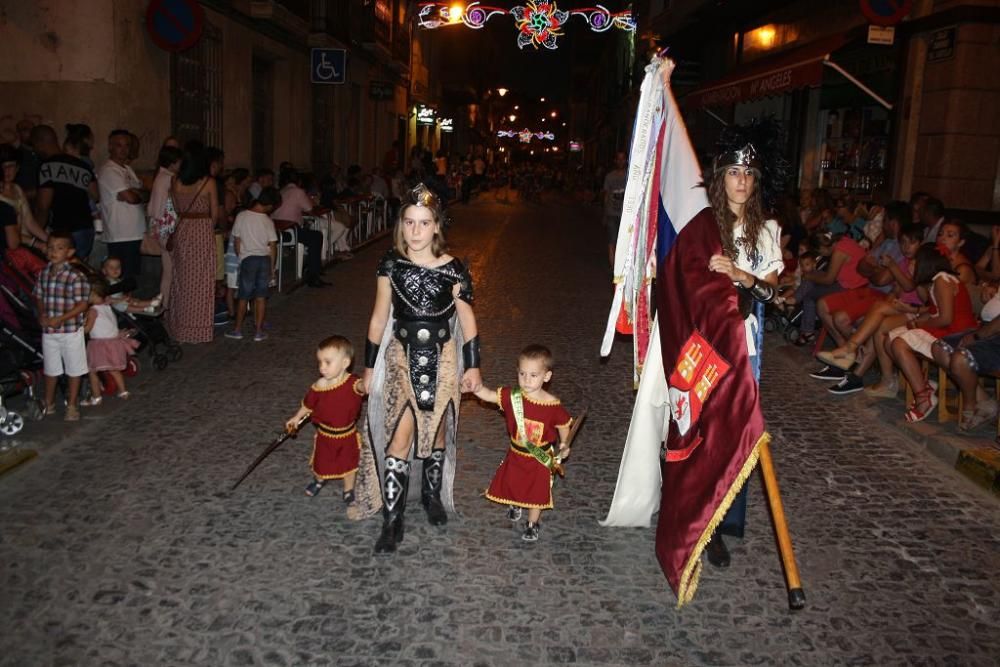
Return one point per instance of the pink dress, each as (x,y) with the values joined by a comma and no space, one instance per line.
(192,289)
(106,350)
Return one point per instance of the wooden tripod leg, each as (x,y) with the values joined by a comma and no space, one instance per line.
(796,596)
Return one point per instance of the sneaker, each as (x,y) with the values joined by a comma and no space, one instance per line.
(514,513)
(531,532)
(234,334)
(259,336)
(829,372)
(850,384)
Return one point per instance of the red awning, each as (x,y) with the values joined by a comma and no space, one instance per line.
(800,67)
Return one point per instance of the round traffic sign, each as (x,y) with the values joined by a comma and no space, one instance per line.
(886,12)
(174,25)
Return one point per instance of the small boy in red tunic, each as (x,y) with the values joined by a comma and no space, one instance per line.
(333,403)
(535,420)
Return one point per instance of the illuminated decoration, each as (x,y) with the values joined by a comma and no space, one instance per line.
(538,22)
(447,124)
(425,115)
(575,147)
(525,135)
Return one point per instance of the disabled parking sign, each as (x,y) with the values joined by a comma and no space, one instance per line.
(329,66)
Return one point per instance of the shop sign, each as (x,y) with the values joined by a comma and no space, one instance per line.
(425,115)
(447,124)
(381,90)
(886,12)
(881,35)
(942,45)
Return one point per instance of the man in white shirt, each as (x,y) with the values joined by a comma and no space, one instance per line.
(122,204)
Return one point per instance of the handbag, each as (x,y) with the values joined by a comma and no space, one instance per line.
(169,242)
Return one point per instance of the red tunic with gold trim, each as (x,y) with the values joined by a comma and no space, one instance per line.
(334,412)
(522,480)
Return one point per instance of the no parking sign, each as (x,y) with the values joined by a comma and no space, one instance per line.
(174,25)
(886,12)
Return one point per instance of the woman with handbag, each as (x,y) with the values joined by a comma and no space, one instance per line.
(163,222)
(192,250)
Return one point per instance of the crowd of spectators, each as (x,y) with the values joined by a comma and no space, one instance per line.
(895,286)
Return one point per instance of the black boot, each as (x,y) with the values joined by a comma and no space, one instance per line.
(430,490)
(718,554)
(394,490)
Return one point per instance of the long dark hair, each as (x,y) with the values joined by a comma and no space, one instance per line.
(931,259)
(194,164)
(753,216)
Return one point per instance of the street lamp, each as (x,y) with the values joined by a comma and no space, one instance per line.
(501,91)
(553,114)
(516,107)
(512,117)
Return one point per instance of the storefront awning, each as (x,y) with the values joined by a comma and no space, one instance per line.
(796,68)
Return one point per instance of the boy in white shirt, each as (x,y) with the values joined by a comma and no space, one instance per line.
(256,244)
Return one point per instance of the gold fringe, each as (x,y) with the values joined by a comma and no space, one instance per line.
(692,569)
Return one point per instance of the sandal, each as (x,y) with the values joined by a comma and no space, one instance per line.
(348,497)
(91,402)
(925,395)
(124,395)
(841,357)
(314,487)
(49,410)
(984,412)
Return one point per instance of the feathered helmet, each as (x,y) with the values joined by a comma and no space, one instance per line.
(759,145)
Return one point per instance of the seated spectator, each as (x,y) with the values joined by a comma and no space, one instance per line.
(821,211)
(379,187)
(931,216)
(839,311)
(841,274)
(951,313)
(951,236)
(988,266)
(294,203)
(848,363)
(978,354)
(263,178)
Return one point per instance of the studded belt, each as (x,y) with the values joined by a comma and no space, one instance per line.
(422,341)
(420,333)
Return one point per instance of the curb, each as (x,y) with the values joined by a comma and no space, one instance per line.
(975,457)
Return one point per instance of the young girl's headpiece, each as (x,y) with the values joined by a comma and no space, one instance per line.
(421,195)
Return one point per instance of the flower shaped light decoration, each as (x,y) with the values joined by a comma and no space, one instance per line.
(526,135)
(539,22)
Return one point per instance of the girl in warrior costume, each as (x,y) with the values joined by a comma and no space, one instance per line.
(752,260)
(412,364)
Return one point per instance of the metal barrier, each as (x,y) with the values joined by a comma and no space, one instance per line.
(369,217)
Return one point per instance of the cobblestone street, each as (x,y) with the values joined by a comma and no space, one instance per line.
(122,545)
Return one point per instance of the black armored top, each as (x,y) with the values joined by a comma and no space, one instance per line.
(422,293)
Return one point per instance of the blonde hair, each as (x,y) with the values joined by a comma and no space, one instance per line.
(421,197)
(338,343)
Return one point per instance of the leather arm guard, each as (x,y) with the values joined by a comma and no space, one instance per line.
(371,353)
(762,291)
(470,353)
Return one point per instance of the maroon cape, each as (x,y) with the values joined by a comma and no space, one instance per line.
(704,345)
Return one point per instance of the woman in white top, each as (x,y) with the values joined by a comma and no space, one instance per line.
(751,258)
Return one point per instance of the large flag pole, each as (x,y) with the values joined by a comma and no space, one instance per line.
(796,596)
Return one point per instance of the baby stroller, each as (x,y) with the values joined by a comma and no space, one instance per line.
(786,318)
(20,362)
(153,336)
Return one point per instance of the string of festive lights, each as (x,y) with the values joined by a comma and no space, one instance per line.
(526,135)
(538,23)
